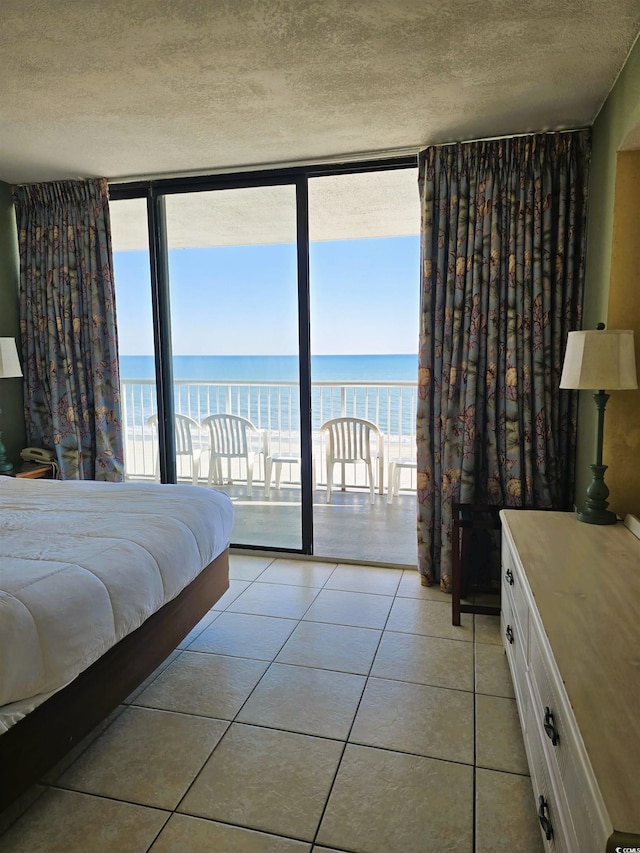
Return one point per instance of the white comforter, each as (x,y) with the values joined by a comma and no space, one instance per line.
(82,564)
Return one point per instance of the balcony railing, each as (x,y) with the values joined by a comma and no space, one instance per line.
(274,408)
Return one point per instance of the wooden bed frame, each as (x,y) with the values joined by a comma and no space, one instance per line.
(34,744)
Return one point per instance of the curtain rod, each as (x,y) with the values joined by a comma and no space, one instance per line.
(333,160)
(507,136)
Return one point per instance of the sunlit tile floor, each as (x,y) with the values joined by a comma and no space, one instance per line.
(317,707)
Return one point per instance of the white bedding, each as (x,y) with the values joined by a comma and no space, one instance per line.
(82,564)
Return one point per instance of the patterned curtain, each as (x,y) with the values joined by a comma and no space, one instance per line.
(68,325)
(503,247)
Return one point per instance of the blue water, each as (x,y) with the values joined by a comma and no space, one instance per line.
(277,368)
(391,408)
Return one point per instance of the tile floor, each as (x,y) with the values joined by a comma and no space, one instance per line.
(317,707)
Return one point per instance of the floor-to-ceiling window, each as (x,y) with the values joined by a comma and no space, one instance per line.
(134,315)
(279,301)
(364,268)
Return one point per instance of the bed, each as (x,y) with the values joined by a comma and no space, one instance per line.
(98,584)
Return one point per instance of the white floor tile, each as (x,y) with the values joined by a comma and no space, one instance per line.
(245,635)
(358,609)
(66,821)
(183,834)
(430,721)
(243,567)
(411,587)
(235,588)
(268,780)
(326,646)
(204,684)
(146,756)
(425,660)
(298,573)
(430,618)
(301,699)
(365,579)
(383,801)
(506,818)
(270,599)
(499,744)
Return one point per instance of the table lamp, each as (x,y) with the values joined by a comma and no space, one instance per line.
(9,369)
(599,359)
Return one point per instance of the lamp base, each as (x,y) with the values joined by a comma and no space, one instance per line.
(5,467)
(604,516)
(595,510)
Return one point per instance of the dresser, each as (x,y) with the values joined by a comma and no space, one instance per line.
(570,620)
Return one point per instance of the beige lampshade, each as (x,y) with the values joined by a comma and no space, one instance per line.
(9,362)
(600,360)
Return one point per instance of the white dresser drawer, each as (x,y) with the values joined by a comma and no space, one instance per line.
(552,716)
(514,648)
(555,824)
(549,703)
(513,589)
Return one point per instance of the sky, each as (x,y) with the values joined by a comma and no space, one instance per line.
(242,300)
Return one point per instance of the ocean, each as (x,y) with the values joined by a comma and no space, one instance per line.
(205,385)
(277,368)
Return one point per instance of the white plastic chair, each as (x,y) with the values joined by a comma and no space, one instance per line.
(184,427)
(348,441)
(395,469)
(274,463)
(232,437)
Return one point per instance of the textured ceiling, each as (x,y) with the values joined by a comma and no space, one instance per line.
(126,88)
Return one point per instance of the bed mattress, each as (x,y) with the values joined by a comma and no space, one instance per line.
(82,564)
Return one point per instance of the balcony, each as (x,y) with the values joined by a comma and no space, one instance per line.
(347,528)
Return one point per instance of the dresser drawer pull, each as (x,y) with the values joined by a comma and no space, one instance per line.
(509,576)
(543,817)
(509,633)
(550,728)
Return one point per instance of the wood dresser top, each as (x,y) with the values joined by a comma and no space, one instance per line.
(585,580)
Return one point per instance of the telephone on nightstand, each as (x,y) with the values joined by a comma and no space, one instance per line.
(37,454)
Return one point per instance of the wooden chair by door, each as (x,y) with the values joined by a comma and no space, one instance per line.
(475,556)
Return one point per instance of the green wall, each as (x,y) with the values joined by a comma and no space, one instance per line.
(622,423)
(11,398)
(619,116)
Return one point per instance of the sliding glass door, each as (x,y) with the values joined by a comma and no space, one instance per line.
(233,299)
(270,304)
(364,297)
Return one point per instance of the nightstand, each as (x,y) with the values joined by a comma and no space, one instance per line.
(33,470)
